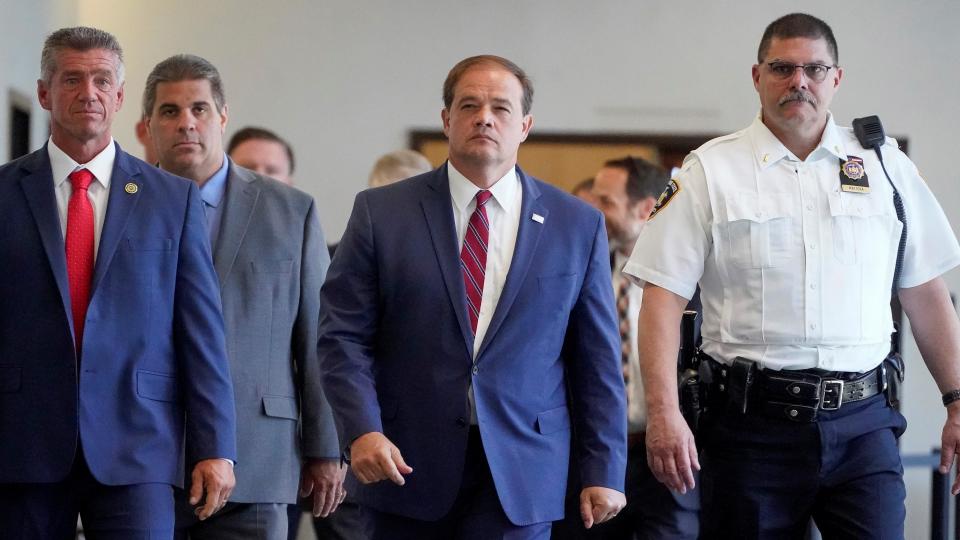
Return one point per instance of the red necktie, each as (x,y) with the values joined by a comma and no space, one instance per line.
(79,250)
(473,257)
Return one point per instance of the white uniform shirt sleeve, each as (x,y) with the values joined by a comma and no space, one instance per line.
(671,250)
(932,248)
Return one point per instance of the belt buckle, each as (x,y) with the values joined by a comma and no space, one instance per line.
(831,394)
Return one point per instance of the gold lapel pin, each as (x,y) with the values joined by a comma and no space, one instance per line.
(130,188)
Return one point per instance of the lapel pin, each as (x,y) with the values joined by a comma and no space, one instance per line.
(130,188)
(538,218)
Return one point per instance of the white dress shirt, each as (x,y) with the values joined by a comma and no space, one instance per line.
(794,272)
(503,213)
(99,191)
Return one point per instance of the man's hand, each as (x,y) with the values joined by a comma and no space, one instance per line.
(598,504)
(215,478)
(374,458)
(324,479)
(671,450)
(950,443)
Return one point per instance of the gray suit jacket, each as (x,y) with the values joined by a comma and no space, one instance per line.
(271,260)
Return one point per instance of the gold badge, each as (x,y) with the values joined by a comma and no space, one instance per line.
(853,177)
(853,169)
(130,188)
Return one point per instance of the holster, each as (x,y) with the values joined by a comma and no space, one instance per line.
(742,375)
(894,371)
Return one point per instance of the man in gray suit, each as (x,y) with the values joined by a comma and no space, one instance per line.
(271,260)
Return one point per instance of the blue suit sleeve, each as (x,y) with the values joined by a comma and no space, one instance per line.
(348,324)
(592,351)
(201,346)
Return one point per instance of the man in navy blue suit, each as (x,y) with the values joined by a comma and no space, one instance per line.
(460,305)
(113,370)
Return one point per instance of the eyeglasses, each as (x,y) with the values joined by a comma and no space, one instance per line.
(785,70)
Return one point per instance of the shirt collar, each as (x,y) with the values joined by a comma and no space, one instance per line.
(213,189)
(463,191)
(768,149)
(62,165)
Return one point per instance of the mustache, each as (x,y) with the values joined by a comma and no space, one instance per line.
(799,96)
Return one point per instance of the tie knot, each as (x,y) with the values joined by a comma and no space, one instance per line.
(81,179)
(482,197)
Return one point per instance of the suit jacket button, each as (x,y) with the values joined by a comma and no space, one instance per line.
(476,370)
(462,422)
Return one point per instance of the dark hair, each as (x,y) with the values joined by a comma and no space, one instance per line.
(450,84)
(251,133)
(644,179)
(798,25)
(183,67)
(77,38)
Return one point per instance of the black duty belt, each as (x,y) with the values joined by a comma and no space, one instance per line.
(799,395)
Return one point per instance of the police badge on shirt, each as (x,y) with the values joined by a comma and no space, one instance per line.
(853,177)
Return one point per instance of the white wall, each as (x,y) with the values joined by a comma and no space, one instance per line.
(23,27)
(345,81)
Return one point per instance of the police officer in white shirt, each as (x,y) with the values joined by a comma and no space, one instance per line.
(789,227)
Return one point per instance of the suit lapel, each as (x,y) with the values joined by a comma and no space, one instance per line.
(126,188)
(37,186)
(240,200)
(438,212)
(528,236)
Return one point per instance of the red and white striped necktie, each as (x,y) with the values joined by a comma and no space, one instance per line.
(473,257)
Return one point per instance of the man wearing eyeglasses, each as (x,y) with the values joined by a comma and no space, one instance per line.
(790,229)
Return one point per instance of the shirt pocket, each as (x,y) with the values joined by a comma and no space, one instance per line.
(861,225)
(758,231)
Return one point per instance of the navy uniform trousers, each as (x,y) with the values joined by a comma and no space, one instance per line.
(765,476)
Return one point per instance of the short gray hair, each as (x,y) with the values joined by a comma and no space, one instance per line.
(183,67)
(77,38)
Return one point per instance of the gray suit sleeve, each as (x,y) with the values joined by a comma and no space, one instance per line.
(318,432)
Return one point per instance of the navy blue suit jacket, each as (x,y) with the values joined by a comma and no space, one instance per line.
(152,376)
(396,350)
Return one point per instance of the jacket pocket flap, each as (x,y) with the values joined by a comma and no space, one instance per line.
(149,244)
(9,379)
(156,386)
(282,266)
(553,420)
(281,407)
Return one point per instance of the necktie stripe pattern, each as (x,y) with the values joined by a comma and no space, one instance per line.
(623,313)
(79,250)
(473,257)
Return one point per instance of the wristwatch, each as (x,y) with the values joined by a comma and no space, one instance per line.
(951,396)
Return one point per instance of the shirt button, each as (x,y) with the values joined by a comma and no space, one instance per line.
(813,326)
(813,246)
(813,285)
(810,207)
